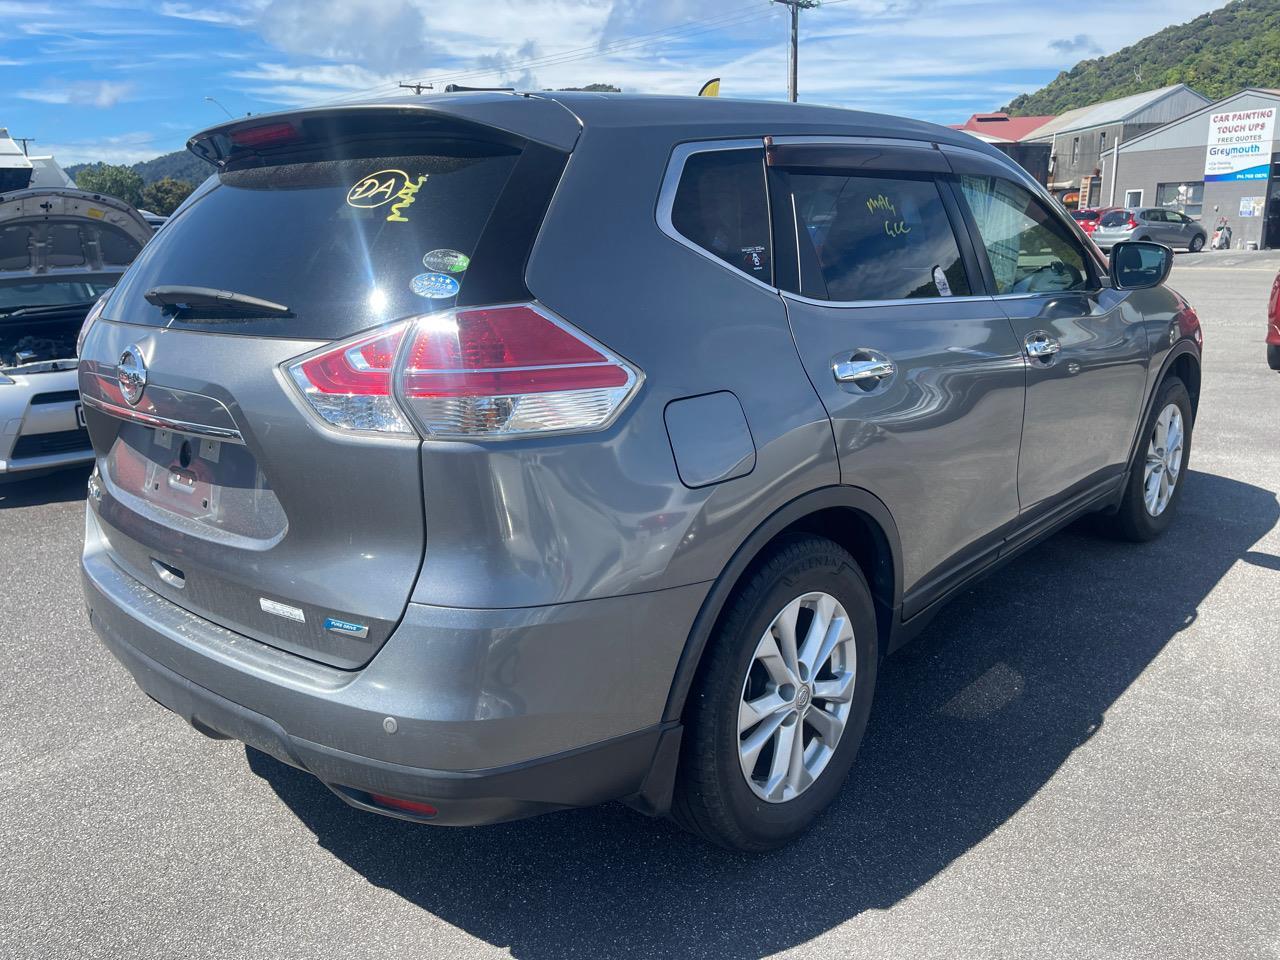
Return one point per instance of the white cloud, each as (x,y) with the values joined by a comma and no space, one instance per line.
(97,93)
(124,148)
(184,11)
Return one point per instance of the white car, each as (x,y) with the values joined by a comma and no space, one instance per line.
(59,251)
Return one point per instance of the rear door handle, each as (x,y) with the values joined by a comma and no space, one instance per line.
(1041,345)
(866,368)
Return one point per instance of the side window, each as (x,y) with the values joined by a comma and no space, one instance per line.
(1029,250)
(721,206)
(874,238)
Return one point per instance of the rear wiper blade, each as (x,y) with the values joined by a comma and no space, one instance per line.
(183,297)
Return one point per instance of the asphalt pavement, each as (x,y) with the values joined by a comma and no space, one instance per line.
(1080,758)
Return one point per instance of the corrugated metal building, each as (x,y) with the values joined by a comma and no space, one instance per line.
(1220,162)
(1080,137)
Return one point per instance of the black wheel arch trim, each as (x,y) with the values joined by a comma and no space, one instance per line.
(815,501)
(1183,348)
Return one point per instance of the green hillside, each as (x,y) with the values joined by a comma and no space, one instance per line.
(1217,54)
(178,165)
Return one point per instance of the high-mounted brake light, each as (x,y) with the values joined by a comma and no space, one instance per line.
(471,373)
(264,134)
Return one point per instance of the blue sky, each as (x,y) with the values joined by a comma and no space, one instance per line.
(125,80)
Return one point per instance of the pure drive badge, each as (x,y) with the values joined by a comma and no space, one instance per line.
(346,628)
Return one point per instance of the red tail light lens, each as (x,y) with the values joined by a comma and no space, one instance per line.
(1131,224)
(509,371)
(349,384)
(478,372)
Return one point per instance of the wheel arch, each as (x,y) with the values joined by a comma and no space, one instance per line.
(852,517)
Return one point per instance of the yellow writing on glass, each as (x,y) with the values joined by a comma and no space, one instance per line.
(377,188)
(893,226)
(880,203)
(408,193)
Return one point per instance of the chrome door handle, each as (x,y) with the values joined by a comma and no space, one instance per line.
(1042,346)
(864,372)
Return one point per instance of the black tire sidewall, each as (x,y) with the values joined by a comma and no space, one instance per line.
(764,824)
(1142,525)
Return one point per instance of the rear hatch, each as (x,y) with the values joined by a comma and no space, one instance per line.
(219,486)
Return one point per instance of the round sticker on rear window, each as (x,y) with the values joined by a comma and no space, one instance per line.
(446,261)
(434,286)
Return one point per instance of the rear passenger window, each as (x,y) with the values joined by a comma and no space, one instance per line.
(1029,249)
(874,238)
(721,207)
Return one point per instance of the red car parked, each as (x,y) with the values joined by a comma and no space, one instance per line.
(1273,326)
(1088,219)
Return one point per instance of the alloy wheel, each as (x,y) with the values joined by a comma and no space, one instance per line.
(796,697)
(1164,460)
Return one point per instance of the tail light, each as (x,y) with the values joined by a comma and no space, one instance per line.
(470,373)
(1131,224)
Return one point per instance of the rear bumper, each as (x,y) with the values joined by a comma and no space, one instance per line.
(480,741)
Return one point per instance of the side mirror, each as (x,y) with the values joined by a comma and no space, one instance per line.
(1138,264)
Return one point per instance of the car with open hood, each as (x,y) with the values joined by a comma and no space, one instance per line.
(60,250)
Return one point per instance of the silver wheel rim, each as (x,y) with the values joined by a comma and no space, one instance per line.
(1164,460)
(796,697)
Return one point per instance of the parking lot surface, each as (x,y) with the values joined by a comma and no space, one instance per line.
(1080,758)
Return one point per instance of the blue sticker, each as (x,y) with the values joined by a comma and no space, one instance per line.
(335,625)
(434,286)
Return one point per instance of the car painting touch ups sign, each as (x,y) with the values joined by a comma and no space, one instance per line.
(1240,145)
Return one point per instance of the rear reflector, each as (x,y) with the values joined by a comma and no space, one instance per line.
(406,806)
(502,371)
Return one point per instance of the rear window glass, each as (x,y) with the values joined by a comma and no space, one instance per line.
(875,238)
(721,206)
(344,244)
(1084,215)
(1114,219)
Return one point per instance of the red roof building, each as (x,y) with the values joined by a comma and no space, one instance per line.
(1001,127)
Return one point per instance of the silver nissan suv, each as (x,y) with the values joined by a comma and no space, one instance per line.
(486,454)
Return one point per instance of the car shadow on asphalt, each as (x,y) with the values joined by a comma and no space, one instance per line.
(61,487)
(970,721)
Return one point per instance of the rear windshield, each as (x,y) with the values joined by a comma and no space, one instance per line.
(1085,214)
(1114,219)
(344,244)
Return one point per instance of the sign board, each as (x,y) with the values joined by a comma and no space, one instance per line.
(1240,144)
(1252,206)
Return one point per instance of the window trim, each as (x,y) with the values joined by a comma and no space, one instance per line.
(671,184)
(1132,206)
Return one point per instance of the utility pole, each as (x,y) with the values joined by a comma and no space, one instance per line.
(417,87)
(794,51)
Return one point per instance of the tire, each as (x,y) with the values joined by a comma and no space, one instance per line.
(1135,520)
(713,796)
(1196,244)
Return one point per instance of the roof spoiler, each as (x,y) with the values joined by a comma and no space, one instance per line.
(482,115)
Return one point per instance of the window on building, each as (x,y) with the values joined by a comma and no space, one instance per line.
(1185,198)
(1133,198)
(875,238)
(721,206)
(1075,150)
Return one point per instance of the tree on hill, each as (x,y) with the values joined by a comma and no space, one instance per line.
(1218,54)
(114,180)
(163,196)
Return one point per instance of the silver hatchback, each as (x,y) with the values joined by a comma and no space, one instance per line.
(1169,227)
